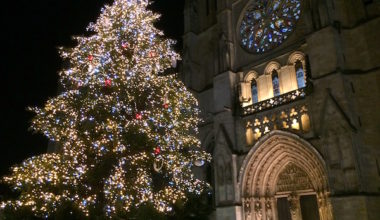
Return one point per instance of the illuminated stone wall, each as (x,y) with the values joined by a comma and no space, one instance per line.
(336,114)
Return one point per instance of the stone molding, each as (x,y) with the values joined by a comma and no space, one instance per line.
(260,171)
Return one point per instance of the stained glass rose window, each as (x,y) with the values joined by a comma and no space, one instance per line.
(267,23)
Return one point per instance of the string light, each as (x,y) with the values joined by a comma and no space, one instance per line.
(114,119)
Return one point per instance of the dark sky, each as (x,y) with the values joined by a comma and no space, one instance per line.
(31,32)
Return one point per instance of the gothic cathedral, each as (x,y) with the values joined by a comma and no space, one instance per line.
(290,97)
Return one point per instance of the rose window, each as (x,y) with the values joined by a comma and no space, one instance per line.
(268,23)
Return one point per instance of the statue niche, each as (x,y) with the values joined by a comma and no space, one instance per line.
(224,179)
(224,53)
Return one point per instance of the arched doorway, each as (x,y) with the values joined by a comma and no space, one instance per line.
(284,178)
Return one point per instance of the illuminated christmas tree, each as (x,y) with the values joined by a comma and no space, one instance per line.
(127,133)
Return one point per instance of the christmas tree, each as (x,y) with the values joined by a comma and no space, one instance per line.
(127,134)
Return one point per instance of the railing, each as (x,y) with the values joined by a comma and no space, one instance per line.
(294,118)
(275,101)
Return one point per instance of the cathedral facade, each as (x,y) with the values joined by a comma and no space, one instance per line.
(289,92)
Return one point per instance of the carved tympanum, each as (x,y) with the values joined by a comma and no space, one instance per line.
(293,178)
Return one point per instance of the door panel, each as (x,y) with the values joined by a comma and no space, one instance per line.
(309,207)
(283,209)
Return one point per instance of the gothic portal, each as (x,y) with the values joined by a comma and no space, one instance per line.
(289,92)
(277,174)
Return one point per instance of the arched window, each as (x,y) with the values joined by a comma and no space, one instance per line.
(275,83)
(300,74)
(255,97)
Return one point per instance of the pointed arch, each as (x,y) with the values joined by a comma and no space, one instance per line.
(270,155)
(277,154)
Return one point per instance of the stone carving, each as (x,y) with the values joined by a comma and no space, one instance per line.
(247,209)
(294,205)
(269,212)
(224,54)
(324,205)
(298,165)
(292,178)
(275,101)
(294,118)
(321,205)
(258,211)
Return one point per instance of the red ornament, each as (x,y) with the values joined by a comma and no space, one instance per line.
(138,116)
(90,58)
(124,45)
(157,150)
(166,101)
(152,54)
(108,82)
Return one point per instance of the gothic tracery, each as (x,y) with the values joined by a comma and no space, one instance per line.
(283,163)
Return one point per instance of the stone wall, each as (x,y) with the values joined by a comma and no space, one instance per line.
(340,40)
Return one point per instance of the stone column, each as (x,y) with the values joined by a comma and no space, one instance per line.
(247,204)
(269,208)
(258,210)
(324,206)
(295,207)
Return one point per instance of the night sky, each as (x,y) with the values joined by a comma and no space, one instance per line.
(31,32)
